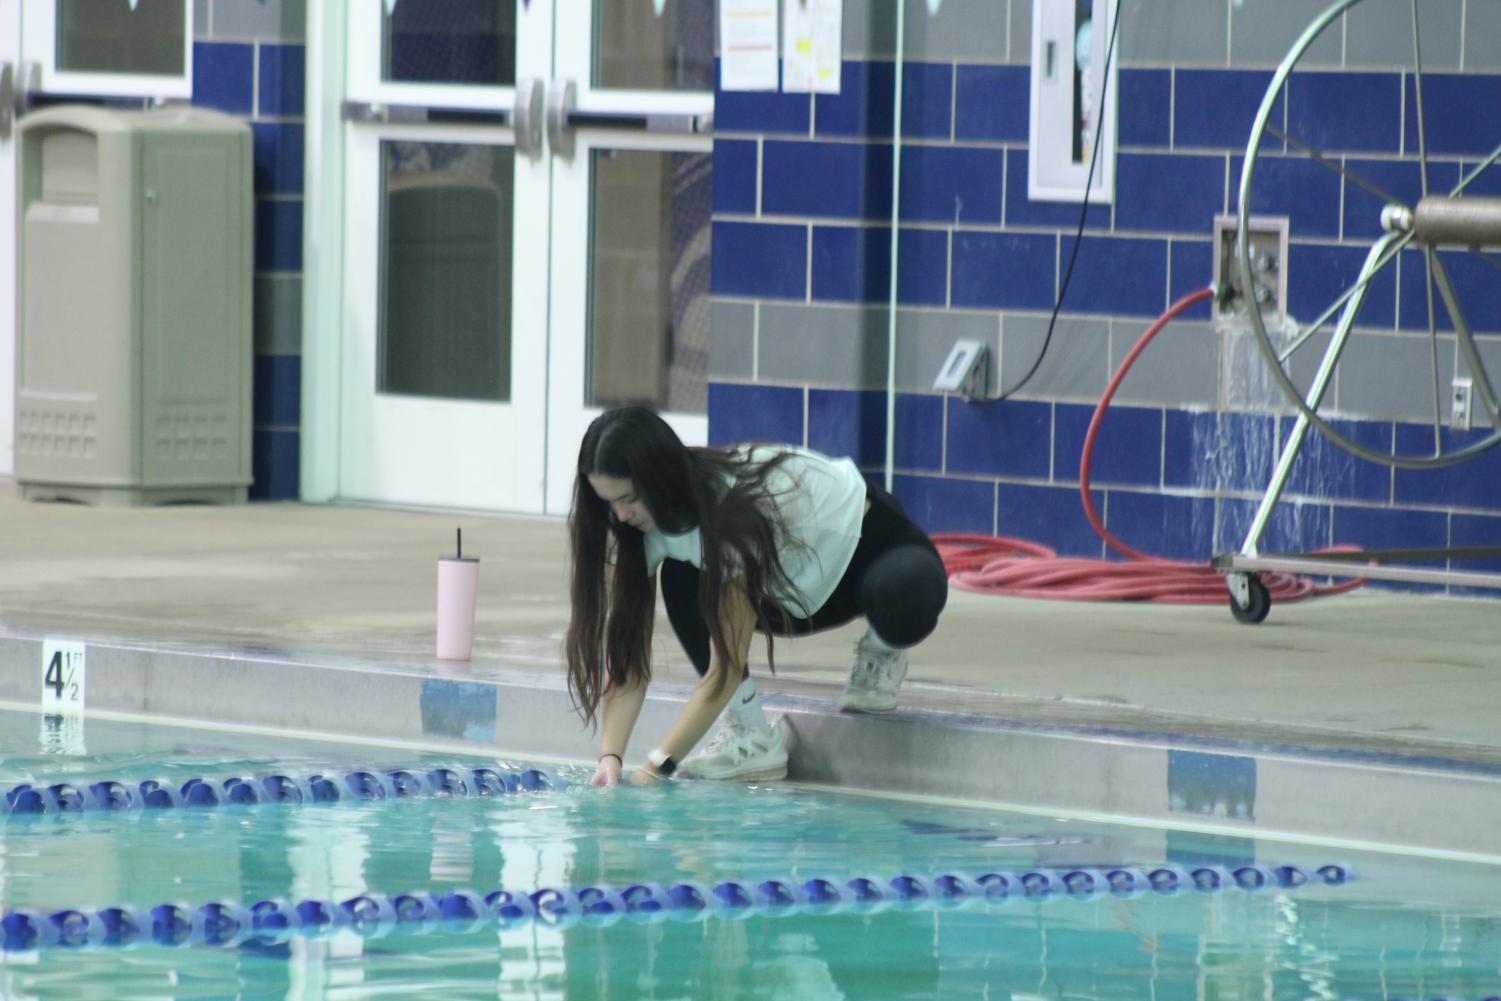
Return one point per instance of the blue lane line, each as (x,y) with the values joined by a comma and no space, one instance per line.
(225,924)
(361,785)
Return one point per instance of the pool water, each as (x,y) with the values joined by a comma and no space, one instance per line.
(1406,927)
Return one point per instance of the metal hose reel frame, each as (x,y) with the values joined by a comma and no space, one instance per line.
(1451,219)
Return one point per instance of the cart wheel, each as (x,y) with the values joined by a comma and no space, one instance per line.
(1259,602)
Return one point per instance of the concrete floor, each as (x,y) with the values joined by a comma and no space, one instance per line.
(1372,671)
(1361,719)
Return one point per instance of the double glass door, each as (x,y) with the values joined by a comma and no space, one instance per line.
(526,201)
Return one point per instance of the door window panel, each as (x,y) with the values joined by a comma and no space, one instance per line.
(648,335)
(455,41)
(638,49)
(108,36)
(445,311)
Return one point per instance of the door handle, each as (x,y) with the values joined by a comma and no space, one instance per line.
(7,99)
(564,116)
(17,84)
(524,117)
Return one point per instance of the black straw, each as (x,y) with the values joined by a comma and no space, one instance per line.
(460,553)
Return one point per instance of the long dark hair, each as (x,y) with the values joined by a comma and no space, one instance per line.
(721,492)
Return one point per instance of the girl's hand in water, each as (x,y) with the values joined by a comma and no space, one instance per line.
(607,773)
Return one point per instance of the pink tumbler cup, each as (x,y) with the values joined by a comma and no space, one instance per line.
(458,579)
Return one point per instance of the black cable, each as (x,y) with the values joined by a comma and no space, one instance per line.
(1073,256)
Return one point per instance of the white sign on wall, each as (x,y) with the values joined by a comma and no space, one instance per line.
(62,677)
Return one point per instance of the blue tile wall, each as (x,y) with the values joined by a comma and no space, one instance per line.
(826,179)
(1224,451)
(952,184)
(1169,479)
(852,263)
(1345,112)
(1127,447)
(1053,516)
(739,413)
(1476,286)
(224,76)
(760,111)
(1401,179)
(1014,438)
(922,267)
(751,258)
(1165,192)
(1294,186)
(1022,211)
(276,396)
(1474,483)
(1216,108)
(1294,527)
(848,422)
(862,108)
(735,176)
(278,235)
(927,100)
(274,460)
(283,80)
(1191,266)
(1004,270)
(947,505)
(1475,530)
(1143,107)
(278,152)
(1115,275)
(919,431)
(1487,182)
(1165,525)
(1472,128)
(990,103)
(267,78)
(1324,470)
(1318,274)
(1390,528)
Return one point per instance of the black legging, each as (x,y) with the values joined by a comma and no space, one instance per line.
(895,580)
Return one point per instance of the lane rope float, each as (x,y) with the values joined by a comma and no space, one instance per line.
(223,924)
(360,785)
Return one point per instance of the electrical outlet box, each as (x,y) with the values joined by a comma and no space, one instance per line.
(1460,416)
(1268,247)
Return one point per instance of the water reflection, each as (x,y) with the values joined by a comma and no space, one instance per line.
(1407,927)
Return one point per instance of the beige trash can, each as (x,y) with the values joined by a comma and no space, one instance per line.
(133,343)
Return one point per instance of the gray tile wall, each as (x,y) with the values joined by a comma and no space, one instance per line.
(1379,35)
(1482,41)
(977,31)
(1374,34)
(244,20)
(1189,33)
(732,349)
(1180,365)
(1075,366)
(278,314)
(1262,32)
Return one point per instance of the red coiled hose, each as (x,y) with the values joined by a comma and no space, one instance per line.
(1002,565)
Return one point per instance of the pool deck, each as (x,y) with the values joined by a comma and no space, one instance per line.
(1375,710)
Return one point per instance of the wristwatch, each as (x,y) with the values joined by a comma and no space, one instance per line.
(662,762)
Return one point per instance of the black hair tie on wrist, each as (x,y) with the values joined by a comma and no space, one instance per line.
(611,754)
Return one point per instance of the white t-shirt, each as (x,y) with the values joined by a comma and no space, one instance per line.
(820,500)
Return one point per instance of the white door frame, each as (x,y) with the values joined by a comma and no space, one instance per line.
(10,57)
(338,308)
(323,360)
(322,255)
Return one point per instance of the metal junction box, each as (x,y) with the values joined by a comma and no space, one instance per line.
(133,352)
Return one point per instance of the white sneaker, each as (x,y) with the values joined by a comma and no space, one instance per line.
(874,680)
(746,752)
